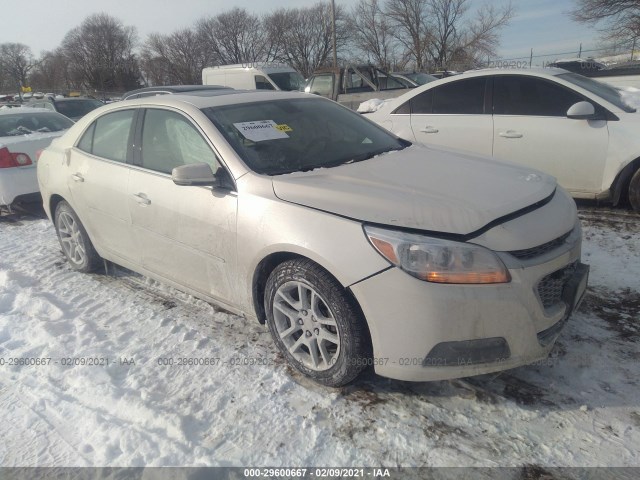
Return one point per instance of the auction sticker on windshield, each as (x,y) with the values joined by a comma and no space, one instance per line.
(260,130)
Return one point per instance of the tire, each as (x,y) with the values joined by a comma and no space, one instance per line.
(315,325)
(634,191)
(75,242)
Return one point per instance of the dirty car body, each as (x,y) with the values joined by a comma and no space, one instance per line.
(355,247)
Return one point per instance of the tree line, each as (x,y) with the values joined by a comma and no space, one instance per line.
(104,54)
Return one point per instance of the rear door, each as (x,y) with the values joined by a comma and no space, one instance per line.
(454,115)
(187,234)
(98,176)
(531,128)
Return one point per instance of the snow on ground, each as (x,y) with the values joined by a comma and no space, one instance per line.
(579,408)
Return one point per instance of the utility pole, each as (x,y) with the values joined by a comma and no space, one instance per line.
(333,33)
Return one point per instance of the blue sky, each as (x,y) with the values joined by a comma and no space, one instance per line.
(539,24)
(546,26)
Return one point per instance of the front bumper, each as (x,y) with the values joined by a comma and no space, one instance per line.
(425,331)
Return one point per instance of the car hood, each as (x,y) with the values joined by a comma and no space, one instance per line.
(421,188)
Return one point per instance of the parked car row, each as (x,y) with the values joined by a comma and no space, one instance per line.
(354,246)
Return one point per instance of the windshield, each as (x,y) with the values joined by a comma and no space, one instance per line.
(609,93)
(288,81)
(77,108)
(421,78)
(289,135)
(12,125)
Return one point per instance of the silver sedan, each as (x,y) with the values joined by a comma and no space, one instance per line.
(355,247)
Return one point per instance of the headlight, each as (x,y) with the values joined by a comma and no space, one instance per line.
(437,260)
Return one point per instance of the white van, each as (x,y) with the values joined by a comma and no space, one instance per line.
(254,76)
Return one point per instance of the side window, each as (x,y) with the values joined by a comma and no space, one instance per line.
(322,85)
(423,103)
(520,95)
(386,82)
(170,140)
(404,109)
(109,135)
(262,83)
(86,142)
(462,97)
(355,83)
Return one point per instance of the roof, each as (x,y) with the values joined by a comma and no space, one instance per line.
(175,89)
(268,67)
(22,110)
(224,97)
(521,71)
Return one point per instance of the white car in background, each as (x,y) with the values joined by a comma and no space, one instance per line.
(23,132)
(579,130)
(355,247)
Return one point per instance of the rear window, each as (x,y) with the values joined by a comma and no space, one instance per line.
(15,124)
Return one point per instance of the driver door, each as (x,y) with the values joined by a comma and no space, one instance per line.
(187,234)
(530,127)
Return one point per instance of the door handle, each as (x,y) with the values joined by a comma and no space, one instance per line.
(429,129)
(77,177)
(510,134)
(142,199)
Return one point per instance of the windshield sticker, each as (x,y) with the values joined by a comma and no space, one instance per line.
(261,130)
(283,127)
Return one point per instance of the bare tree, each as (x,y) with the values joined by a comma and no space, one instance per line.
(409,20)
(620,18)
(371,33)
(306,40)
(51,73)
(177,58)
(438,33)
(231,37)
(482,37)
(16,61)
(457,39)
(100,53)
(275,26)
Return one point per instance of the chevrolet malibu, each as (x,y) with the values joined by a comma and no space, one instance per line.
(355,247)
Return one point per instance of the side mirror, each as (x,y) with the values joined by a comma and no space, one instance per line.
(581,111)
(194,174)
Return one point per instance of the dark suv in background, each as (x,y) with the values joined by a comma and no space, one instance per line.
(73,108)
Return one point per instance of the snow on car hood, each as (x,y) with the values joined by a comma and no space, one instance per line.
(420,187)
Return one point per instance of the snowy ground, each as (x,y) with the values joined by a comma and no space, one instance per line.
(579,408)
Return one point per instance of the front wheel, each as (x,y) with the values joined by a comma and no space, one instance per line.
(74,240)
(634,191)
(315,324)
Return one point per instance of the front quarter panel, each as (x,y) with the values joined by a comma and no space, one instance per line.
(624,146)
(268,225)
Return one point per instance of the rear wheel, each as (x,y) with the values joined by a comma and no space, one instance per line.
(634,191)
(315,324)
(74,240)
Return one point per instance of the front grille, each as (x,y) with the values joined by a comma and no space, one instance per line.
(550,287)
(533,252)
